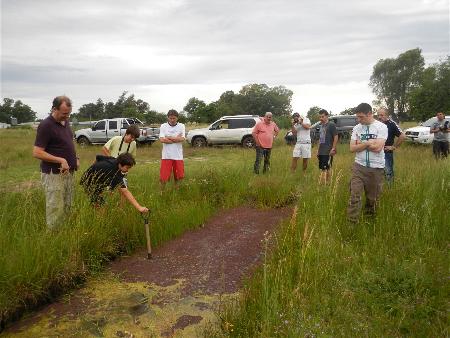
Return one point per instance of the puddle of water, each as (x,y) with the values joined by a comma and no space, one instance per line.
(119,309)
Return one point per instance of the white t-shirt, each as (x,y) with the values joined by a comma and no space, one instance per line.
(361,133)
(303,134)
(172,151)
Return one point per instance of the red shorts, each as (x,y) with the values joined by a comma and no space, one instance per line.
(167,166)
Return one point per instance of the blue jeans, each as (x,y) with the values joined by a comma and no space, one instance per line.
(389,166)
(262,152)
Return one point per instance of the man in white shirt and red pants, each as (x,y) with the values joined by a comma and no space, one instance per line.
(172,136)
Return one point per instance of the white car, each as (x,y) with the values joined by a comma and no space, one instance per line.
(235,129)
(421,133)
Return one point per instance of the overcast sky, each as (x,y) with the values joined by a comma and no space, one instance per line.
(170,50)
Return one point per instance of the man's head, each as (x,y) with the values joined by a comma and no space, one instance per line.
(132,133)
(61,108)
(268,117)
(125,161)
(172,117)
(364,113)
(323,116)
(296,117)
(383,114)
(440,116)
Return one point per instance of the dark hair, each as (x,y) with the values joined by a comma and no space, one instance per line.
(172,112)
(363,108)
(323,112)
(58,101)
(134,131)
(126,159)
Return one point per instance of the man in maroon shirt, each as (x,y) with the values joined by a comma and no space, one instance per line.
(55,148)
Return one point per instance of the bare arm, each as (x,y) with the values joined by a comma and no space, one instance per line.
(400,140)
(306,125)
(293,129)
(376,145)
(356,146)
(106,151)
(41,154)
(165,140)
(129,196)
(255,137)
(177,139)
(333,147)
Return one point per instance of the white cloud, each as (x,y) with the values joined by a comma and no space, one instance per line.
(168,51)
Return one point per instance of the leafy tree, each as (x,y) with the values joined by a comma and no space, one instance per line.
(125,106)
(91,111)
(348,111)
(393,80)
(195,109)
(260,98)
(433,94)
(16,109)
(313,114)
(255,99)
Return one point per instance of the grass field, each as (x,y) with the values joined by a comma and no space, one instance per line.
(385,277)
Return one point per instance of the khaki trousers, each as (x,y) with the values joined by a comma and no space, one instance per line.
(369,181)
(58,197)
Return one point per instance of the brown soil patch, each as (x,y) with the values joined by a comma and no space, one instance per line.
(213,259)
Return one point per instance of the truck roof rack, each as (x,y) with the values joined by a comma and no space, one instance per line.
(238,116)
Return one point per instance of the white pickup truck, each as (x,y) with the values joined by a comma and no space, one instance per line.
(104,130)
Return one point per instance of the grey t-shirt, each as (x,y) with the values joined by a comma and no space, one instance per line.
(326,134)
(440,136)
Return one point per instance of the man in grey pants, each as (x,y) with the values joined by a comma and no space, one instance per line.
(55,148)
(368,139)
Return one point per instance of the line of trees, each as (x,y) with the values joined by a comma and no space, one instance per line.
(253,99)
(125,106)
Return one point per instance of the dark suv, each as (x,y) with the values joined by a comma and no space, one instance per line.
(344,125)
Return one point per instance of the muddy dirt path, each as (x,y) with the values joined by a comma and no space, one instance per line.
(173,295)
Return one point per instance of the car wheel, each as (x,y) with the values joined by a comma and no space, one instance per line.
(199,142)
(248,142)
(83,141)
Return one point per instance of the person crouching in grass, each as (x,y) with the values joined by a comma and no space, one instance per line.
(107,173)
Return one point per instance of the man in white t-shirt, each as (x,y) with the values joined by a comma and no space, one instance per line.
(368,139)
(172,136)
(301,128)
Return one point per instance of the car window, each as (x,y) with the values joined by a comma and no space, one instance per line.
(429,122)
(347,122)
(100,125)
(223,124)
(241,123)
(112,125)
(215,125)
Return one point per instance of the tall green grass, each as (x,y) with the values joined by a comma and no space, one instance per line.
(386,277)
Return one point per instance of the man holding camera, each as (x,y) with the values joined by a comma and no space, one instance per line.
(300,128)
(440,129)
